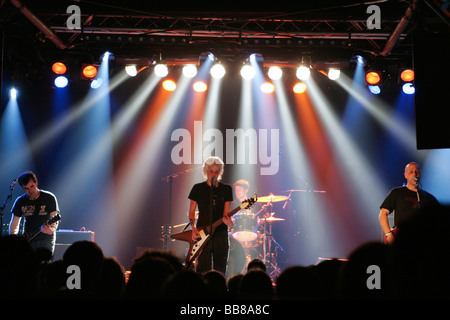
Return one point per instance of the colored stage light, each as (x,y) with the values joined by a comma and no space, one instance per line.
(169,85)
(299,87)
(200,86)
(217,71)
(303,73)
(267,87)
(275,73)
(96,83)
(89,71)
(407,75)
(61,82)
(375,89)
(247,72)
(373,78)
(408,88)
(161,70)
(333,74)
(59,68)
(190,71)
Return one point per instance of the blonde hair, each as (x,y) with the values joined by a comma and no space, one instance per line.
(213,161)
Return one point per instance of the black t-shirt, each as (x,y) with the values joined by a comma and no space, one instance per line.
(201,193)
(36,212)
(404,202)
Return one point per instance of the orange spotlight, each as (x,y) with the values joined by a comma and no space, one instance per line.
(169,85)
(299,87)
(89,71)
(59,68)
(200,86)
(267,87)
(407,75)
(373,77)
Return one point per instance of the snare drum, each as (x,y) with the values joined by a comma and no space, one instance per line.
(245,227)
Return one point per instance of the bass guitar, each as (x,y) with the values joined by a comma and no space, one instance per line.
(55,218)
(195,248)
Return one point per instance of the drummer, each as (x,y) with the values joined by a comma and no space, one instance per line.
(241,187)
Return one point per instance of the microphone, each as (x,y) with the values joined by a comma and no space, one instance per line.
(213,181)
(13,184)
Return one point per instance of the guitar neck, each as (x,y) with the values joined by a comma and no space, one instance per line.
(220,221)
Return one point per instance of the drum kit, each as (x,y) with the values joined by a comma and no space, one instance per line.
(253,231)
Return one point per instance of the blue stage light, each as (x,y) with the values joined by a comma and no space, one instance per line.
(408,88)
(61,82)
(375,89)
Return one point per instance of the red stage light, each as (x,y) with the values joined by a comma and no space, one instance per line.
(407,75)
(299,87)
(59,68)
(89,71)
(373,77)
(169,85)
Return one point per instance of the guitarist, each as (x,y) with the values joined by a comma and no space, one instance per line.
(37,206)
(213,199)
(404,201)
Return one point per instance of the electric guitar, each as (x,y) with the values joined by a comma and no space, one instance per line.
(394,232)
(195,248)
(55,218)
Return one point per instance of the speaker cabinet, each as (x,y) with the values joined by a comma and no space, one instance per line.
(64,238)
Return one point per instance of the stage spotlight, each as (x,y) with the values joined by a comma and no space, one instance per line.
(407,75)
(200,86)
(61,82)
(275,73)
(373,78)
(89,71)
(360,59)
(59,68)
(303,73)
(217,71)
(190,70)
(247,72)
(267,87)
(96,83)
(161,70)
(169,85)
(206,56)
(131,70)
(13,93)
(408,88)
(333,74)
(106,55)
(375,89)
(299,87)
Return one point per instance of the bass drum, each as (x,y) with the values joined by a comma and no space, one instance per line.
(236,258)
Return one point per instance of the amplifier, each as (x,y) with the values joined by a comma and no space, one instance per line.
(64,238)
(70,236)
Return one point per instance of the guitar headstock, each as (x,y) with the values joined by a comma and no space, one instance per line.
(54,219)
(246,204)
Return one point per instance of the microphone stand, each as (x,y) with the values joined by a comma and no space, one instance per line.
(166,229)
(2,208)
(211,210)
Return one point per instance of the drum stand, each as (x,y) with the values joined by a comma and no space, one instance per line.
(270,252)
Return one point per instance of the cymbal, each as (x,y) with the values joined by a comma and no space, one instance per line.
(273,219)
(273,198)
(296,190)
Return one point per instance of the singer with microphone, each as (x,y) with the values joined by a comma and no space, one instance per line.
(213,199)
(37,207)
(404,201)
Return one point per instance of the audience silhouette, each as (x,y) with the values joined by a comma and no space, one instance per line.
(415,266)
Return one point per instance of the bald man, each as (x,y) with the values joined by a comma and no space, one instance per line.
(404,201)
